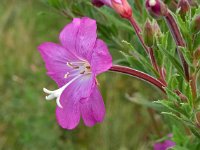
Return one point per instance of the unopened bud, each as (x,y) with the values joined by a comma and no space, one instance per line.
(197,54)
(196,24)
(156,8)
(156,28)
(150,31)
(184,7)
(193,3)
(122,7)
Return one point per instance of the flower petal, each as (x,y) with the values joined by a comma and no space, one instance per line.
(56,58)
(86,38)
(68,35)
(69,115)
(164,145)
(101,58)
(99,3)
(93,110)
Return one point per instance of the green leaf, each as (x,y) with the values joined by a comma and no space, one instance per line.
(141,100)
(173,60)
(179,135)
(172,96)
(187,55)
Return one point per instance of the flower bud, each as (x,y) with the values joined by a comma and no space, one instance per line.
(184,7)
(156,8)
(193,3)
(150,31)
(122,7)
(196,24)
(197,54)
(156,28)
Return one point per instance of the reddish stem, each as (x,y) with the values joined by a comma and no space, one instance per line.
(193,86)
(176,34)
(138,33)
(138,74)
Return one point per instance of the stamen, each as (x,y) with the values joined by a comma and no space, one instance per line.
(88,67)
(82,72)
(72,65)
(66,75)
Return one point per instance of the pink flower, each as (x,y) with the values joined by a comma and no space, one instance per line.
(74,65)
(164,145)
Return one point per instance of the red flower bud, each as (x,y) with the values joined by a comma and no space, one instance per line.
(123,8)
(156,8)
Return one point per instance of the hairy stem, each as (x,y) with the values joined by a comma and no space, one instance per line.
(176,34)
(138,74)
(193,86)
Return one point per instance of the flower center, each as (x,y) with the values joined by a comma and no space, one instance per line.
(78,69)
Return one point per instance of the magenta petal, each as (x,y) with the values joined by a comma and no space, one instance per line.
(86,38)
(101,58)
(93,110)
(99,3)
(164,145)
(68,117)
(55,58)
(68,35)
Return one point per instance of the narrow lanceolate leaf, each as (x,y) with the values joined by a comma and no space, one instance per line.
(172,96)
(142,59)
(187,55)
(141,100)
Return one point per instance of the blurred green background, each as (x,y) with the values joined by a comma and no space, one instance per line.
(27,121)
